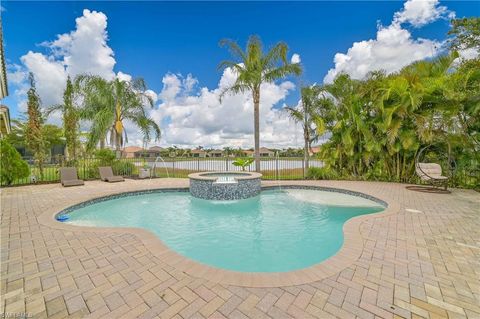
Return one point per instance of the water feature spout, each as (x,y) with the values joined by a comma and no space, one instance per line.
(155,166)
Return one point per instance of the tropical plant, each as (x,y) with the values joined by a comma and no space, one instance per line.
(12,167)
(309,114)
(242,162)
(105,156)
(253,67)
(378,125)
(34,138)
(70,115)
(466,34)
(321,173)
(52,136)
(107,104)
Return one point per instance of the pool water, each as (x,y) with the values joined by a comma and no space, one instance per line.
(277,231)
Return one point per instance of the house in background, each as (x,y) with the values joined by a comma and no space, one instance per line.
(314,150)
(198,153)
(248,153)
(129,151)
(5,126)
(215,153)
(265,152)
(157,149)
(152,152)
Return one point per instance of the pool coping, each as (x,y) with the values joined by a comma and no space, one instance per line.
(350,251)
(241,175)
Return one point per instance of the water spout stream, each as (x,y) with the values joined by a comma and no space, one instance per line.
(155,166)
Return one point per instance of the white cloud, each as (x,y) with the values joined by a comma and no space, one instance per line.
(192,119)
(152,95)
(394,47)
(422,12)
(16,74)
(295,58)
(83,50)
(50,76)
(124,77)
(468,54)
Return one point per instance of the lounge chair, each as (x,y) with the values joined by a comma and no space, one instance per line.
(69,177)
(106,175)
(432,174)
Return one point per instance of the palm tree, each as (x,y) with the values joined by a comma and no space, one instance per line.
(107,104)
(254,67)
(309,114)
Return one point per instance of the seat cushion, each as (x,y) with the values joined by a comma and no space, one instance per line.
(438,177)
(73,182)
(113,179)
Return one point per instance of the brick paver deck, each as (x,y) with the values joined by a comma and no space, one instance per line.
(422,261)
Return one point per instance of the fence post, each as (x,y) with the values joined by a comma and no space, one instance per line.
(276,168)
(226,163)
(303,167)
(198,163)
(173,165)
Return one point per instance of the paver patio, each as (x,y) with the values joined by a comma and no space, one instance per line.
(422,261)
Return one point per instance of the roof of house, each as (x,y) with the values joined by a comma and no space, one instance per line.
(264,149)
(156,148)
(150,151)
(3,69)
(216,151)
(197,151)
(132,149)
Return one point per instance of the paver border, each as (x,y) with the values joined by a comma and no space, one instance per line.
(350,251)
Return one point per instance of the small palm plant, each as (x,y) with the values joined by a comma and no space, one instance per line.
(242,162)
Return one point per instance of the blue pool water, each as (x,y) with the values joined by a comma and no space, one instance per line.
(277,231)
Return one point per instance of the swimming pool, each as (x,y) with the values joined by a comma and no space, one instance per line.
(278,231)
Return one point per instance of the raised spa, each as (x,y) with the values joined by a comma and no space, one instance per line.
(225,185)
(279,230)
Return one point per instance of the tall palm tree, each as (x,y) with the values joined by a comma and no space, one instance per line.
(254,67)
(107,104)
(309,114)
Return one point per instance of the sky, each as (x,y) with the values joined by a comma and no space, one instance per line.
(174,46)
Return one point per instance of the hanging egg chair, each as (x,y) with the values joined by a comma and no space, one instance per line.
(435,167)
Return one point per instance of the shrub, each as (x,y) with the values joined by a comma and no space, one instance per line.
(321,173)
(120,167)
(105,157)
(12,165)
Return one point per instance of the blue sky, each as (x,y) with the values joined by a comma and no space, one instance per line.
(154,39)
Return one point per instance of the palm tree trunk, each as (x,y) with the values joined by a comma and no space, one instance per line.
(118,140)
(256,120)
(306,150)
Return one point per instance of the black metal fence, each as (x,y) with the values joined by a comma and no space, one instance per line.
(285,168)
(272,168)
